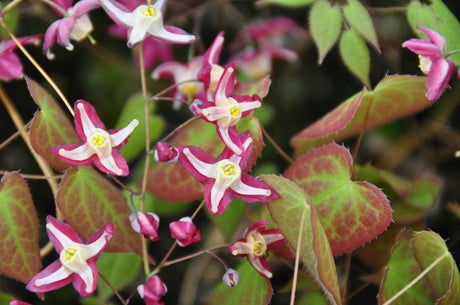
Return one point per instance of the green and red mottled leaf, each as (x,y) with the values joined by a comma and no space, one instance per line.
(351,212)
(358,17)
(88,201)
(258,87)
(394,97)
(411,256)
(50,126)
(315,252)
(253,289)
(172,183)
(355,55)
(20,252)
(325,26)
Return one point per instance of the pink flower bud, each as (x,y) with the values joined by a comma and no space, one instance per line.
(231,277)
(165,152)
(152,291)
(184,231)
(146,224)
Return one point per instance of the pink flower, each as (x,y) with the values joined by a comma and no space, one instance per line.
(184,232)
(146,224)
(223,178)
(433,61)
(143,21)
(165,152)
(226,110)
(255,244)
(186,73)
(75,25)
(152,291)
(19,303)
(10,64)
(231,278)
(211,71)
(77,260)
(100,146)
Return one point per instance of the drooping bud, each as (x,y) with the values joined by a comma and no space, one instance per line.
(184,231)
(153,290)
(165,152)
(146,224)
(231,277)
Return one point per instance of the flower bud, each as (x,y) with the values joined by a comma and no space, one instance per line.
(152,291)
(184,231)
(146,224)
(231,277)
(165,152)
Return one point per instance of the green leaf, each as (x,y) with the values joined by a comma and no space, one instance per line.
(229,220)
(325,26)
(88,201)
(120,269)
(351,212)
(355,55)
(92,300)
(11,19)
(20,255)
(286,3)
(419,14)
(315,252)
(394,97)
(449,28)
(253,289)
(171,182)
(134,109)
(360,20)
(50,126)
(410,258)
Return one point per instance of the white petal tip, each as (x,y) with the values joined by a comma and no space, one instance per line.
(69,47)
(135,122)
(50,55)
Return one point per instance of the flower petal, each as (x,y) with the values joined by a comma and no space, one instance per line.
(168,36)
(438,78)
(112,163)
(423,47)
(437,39)
(73,153)
(10,67)
(61,234)
(85,280)
(119,137)
(191,160)
(97,242)
(261,265)
(52,277)
(86,120)
(118,13)
(225,86)
(217,196)
(230,139)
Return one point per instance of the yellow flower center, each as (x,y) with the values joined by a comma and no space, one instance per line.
(235,111)
(190,89)
(98,139)
(229,169)
(71,258)
(69,254)
(259,248)
(149,11)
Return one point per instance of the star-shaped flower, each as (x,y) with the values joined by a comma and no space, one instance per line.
(100,146)
(75,25)
(433,61)
(255,244)
(77,260)
(145,20)
(10,64)
(211,71)
(223,178)
(226,110)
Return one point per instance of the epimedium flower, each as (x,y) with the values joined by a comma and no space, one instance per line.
(77,260)
(226,110)
(433,61)
(186,74)
(184,232)
(223,178)
(10,64)
(211,71)
(145,20)
(152,291)
(165,152)
(146,224)
(100,146)
(255,244)
(74,25)
(231,278)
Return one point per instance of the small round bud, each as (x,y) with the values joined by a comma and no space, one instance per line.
(231,277)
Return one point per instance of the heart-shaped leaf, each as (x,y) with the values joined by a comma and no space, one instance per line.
(253,289)
(172,183)
(358,17)
(351,212)
(394,97)
(325,26)
(50,126)
(20,254)
(355,55)
(88,201)
(419,14)
(315,253)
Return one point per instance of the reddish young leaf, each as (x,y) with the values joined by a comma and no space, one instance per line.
(394,97)
(315,252)
(351,212)
(88,201)
(50,126)
(20,253)
(172,183)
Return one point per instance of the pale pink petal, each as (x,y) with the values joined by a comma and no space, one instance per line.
(438,78)
(244,189)
(225,86)
(273,238)
(221,200)
(173,68)
(171,37)
(121,135)
(86,120)
(203,168)
(80,153)
(61,235)
(261,265)
(85,281)
(52,277)
(50,38)
(63,32)
(117,13)
(233,143)
(251,189)
(248,106)
(84,6)
(240,248)
(97,243)
(108,164)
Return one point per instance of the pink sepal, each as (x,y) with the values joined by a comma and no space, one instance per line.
(15,302)
(52,268)
(119,160)
(93,117)
(152,291)
(83,7)
(10,67)
(165,152)
(65,229)
(211,57)
(184,232)
(438,78)
(145,223)
(201,155)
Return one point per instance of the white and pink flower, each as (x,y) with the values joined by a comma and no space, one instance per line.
(184,232)
(146,224)
(10,64)
(152,291)
(77,260)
